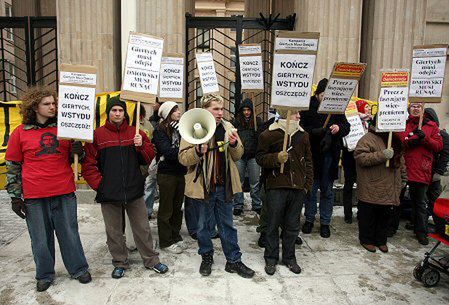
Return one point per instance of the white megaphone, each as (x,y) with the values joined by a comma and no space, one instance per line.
(197,126)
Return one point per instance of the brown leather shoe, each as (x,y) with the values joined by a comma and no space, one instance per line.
(383,248)
(370,248)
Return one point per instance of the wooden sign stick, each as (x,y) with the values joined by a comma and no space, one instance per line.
(138,117)
(286,137)
(421,117)
(75,166)
(327,120)
(251,96)
(390,138)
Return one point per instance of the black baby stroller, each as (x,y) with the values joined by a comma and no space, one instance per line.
(428,270)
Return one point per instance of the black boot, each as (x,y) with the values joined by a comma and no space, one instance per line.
(239,268)
(206,264)
(262,242)
(325,231)
(307,227)
(42,285)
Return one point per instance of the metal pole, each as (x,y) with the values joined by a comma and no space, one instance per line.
(3,66)
(238,41)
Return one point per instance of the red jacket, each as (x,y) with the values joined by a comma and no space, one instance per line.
(419,158)
(112,163)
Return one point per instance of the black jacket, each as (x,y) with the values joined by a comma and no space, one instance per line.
(247,134)
(169,151)
(442,158)
(322,142)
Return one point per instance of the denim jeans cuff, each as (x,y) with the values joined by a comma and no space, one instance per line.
(79,273)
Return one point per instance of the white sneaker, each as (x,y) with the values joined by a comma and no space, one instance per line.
(182,245)
(174,249)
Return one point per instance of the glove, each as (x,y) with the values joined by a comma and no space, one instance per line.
(419,133)
(414,142)
(403,184)
(318,132)
(282,157)
(18,206)
(77,149)
(436,177)
(388,153)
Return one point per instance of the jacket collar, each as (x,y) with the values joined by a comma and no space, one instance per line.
(281,124)
(113,127)
(34,125)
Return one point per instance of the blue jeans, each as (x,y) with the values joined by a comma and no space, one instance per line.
(45,216)
(191,214)
(150,192)
(325,184)
(253,169)
(216,205)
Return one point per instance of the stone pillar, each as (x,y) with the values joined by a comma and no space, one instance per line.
(390,30)
(89,34)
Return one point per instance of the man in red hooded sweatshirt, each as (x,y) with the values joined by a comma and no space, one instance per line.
(420,146)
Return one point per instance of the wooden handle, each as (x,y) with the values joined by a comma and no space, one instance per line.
(390,137)
(138,117)
(75,167)
(284,149)
(254,110)
(327,120)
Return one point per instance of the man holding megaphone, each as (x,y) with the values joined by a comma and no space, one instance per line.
(209,148)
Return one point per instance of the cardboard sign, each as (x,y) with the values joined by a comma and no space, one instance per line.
(76,102)
(206,69)
(342,83)
(141,73)
(171,83)
(251,69)
(427,77)
(293,69)
(392,104)
(356,132)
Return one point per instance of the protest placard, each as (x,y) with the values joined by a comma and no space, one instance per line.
(342,83)
(206,69)
(427,77)
(141,74)
(356,132)
(293,69)
(251,70)
(171,81)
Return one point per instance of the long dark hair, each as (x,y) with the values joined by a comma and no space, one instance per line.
(165,125)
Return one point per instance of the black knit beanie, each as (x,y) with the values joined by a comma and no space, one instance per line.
(321,86)
(115,101)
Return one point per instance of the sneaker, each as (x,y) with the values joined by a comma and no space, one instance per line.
(383,248)
(238,212)
(160,268)
(181,244)
(118,272)
(239,268)
(370,248)
(262,242)
(298,240)
(325,231)
(294,267)
(174,249)
(84,278)
(307,227)
(270,269)
(206,264)
(43,285)
(422,239)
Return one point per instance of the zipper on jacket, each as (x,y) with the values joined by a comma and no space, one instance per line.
(123,166)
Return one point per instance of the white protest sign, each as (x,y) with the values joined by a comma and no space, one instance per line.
(296,44)
(141,73)
(427,77)
(356,132)
(172,78)
(251,70)
(76,102)
(206,69)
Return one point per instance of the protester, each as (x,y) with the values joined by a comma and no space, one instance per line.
(211,181)
(248,133)
(285,191)
(112,169)
(378,186)
(191,214)
(326,143)
(348,162)
(420,146)
(42,189)
(170,178)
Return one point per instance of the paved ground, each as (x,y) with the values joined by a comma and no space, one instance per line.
(335,271)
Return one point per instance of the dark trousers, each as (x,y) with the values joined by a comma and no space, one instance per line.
(433,192)
(169,216)
(263,218)
(420,217)
(283,210)
(350,178)
(373,223)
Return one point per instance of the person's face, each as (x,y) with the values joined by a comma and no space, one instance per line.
(176,114)
(295,116)
(117,115)
(48,141)
(246,112)
(367,109)
(320,97)
(217,110)
(46,108)
(415,109)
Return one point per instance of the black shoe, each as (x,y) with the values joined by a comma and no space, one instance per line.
(42,285)
(206,264)
(238,212)
(194,236)
(298,240)
(118,273)
(409,226)
(217,235)
(422,239)
(262,242)
(307,227)
(258,211)
(294,267)
(348,220)
(270,269)
(239,268)
(84,278)
(325,231)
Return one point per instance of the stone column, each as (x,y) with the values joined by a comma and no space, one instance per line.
(89,33)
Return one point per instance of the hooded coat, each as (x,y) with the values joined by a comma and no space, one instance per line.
(442,158)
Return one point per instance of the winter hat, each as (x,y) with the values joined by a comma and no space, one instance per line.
(361,105)
(166,108)
(321,86)
(115,101)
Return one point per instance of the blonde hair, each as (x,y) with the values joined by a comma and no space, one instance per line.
(207,99)
(30,101)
